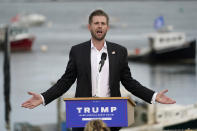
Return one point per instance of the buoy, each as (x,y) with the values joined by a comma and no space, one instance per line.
(137,51)
(44,48)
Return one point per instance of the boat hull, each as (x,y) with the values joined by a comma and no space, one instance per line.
(192,124)
(186,52)
(22,44)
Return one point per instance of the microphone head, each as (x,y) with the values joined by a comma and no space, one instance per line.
(103,56)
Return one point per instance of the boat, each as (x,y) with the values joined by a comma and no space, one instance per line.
(158,117)
(20,39)
(165,46)
(28,20)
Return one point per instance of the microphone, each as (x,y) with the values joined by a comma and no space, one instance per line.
(103,58)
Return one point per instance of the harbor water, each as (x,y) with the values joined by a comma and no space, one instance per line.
(66,26)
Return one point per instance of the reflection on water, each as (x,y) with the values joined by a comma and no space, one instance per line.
(179,79)
(174,75)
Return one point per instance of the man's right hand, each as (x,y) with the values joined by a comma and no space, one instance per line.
(33,102)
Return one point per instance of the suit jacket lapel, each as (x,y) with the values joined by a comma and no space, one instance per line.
(87,61)
(111,56)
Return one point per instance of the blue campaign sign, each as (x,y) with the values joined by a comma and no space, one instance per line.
(112,112)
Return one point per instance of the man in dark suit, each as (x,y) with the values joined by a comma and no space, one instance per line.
(92,78)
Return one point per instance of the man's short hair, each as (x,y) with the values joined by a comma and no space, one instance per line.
(98,12)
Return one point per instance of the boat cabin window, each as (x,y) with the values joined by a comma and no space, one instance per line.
(179,37)
(17,30)
(161,40)
(168,39)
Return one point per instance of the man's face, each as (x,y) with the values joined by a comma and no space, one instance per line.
(99,27)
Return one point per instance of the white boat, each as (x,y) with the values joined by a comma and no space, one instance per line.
(28,20)
(158,117)
(165,46)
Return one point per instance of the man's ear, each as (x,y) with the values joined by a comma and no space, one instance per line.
(88,25)
(108,27)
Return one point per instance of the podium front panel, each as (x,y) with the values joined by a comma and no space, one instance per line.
(112,112)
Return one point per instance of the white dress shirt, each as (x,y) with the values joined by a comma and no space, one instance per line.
(100,80)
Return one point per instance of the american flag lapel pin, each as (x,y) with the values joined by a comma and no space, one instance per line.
(113,52)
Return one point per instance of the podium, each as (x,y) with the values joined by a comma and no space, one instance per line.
(114,111)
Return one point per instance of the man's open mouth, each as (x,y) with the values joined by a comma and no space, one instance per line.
(99,32)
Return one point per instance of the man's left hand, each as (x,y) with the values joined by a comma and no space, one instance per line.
(163,99)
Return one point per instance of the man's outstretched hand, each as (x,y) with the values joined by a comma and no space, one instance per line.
(33,102)
(163,99)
